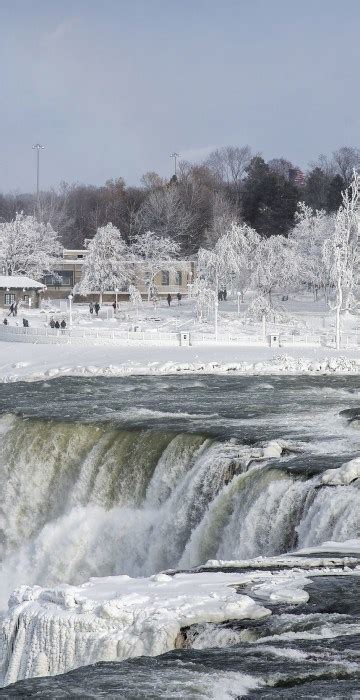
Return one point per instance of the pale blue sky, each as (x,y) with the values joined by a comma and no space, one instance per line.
(112,87)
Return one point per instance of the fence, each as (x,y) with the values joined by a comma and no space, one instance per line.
(110,336)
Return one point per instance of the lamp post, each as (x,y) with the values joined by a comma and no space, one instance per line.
(70,297)
(238,302)
(175,157)
(116,298)
(216,308)
(38,147)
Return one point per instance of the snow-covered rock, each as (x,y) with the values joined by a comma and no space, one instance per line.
(50,631)
(344,475)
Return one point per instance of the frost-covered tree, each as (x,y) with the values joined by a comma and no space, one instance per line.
(308,237)
(105,265)
(342,250)
(153,253)
(135,298)
(28,247)
(237,251)
(274,265)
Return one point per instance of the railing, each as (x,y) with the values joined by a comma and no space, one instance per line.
(103,336)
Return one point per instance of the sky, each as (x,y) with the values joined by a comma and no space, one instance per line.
(111,88)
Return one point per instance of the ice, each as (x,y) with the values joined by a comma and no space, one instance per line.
(50,631)
(343,475)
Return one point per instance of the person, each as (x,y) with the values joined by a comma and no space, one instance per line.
(5,322)
(91,307)
(63,325)
(11,310)
(97,308)
(52,323)
(169,299)
(178,296)
(224,294)
(57,325)
(220,295)
(25,323)
(114,307)
(15,309)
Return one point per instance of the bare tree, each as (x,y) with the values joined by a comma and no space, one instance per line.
(164,213)
(229,163)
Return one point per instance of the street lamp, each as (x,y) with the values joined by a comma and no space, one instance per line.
(175,156)
(238,302)
(70,297)
(116,298)
(216,308)
(38,148)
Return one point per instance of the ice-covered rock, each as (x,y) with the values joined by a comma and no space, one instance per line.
(50,631)
(342,476)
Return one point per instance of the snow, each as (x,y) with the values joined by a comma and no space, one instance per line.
(346,547)
(50,631)
(18,282)
(32,362)
(344,475)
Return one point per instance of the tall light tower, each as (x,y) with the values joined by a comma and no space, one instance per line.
(38,148)
(175,156)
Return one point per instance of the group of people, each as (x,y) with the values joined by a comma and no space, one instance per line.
(57,324)
(169,298)
(95,307)
(222,294)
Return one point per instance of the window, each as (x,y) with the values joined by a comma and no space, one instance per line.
(165,278)
(9,299)
(178,278)
(59,278)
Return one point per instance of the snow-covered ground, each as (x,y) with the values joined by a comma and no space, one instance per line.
(298,315)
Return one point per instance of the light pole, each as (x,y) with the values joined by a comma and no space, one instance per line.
(38,148)
(238,304)
(70,297)
(175,156)
(216,308)
(116,297)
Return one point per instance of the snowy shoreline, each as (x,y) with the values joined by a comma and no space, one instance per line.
(281,364)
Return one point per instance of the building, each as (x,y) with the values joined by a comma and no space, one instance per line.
(21,289)
(178,276)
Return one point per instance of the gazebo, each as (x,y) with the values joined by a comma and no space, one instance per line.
(18,288)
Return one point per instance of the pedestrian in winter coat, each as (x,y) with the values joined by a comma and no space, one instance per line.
(114,307)
(15,309)
(5,322)
(57,325)
(52,323)
(91,307)
(178,296)
(11,310)
(169,299)
(25,323)
(97,308)
(63,323)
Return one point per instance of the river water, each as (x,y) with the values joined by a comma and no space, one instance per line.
(139,475)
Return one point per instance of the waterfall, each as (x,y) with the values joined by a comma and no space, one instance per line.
(92,500)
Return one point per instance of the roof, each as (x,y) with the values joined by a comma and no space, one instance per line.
(19,282)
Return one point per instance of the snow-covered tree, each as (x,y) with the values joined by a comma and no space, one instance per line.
(154,253)
(135,298)
(342,250)
(308,237)
(105,265)
(274,266)
(237,250)
(28,247)
(205,297)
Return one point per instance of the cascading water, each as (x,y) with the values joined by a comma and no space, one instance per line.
(104,485)
(86,500)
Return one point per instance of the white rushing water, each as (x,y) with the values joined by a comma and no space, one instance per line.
(92,500)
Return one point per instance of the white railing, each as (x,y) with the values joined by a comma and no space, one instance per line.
(104,336)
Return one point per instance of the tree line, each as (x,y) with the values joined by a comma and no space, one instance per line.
(194,207)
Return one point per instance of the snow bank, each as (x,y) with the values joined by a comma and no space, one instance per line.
(344,475)
(282,364)
(50,631)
